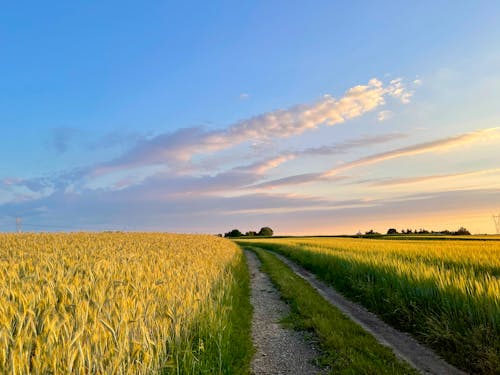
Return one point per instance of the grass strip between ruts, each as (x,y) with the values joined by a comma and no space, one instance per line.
(346,347)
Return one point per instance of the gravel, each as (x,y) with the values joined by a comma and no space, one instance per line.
(278,350)
(403,345)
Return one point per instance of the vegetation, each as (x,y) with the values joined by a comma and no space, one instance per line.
(233,233)
(460,232)
(263,232)
(123,304)
(446,293)
(347,348)
(266,231)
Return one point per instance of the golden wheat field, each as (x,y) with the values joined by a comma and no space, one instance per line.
(110,303)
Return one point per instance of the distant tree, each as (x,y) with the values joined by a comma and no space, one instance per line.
(251,233)
(392,231)
(265,231)
(233,233)
(371,232)
(462,232)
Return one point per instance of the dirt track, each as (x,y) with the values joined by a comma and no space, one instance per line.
(279,350)
(404,346)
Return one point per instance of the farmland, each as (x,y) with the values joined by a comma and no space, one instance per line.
(142,303)
(446,293)
(122,303)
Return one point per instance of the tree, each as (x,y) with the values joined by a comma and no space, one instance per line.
(265,231)
(392,231)
(462,232)
(251,233)
(233,233)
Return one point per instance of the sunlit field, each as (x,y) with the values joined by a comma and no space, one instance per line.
(117,303)
(447,293)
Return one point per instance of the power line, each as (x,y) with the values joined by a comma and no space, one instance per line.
(19,224)
(496,219)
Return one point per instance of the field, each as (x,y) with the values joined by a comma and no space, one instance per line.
(138,303)
(118,303)
(446,293)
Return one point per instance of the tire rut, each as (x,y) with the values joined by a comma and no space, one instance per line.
(403,345)
(278,350)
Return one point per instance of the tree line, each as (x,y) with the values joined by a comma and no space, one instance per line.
(393,231)
(263,232)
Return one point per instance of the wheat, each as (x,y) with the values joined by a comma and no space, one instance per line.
(111,303)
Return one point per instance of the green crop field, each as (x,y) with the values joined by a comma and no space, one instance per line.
(446,293)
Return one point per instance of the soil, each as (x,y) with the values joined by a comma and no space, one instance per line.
(278,350)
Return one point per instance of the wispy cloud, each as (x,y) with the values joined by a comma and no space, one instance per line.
(181,146)
(384,115)
(155,210)
(421,148)
(348,145)
(264,166)
(419,179)
(61,138)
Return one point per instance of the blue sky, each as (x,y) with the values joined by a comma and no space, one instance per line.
(314,117)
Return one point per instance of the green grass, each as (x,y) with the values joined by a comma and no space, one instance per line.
(220,341)
(460,325)
(347,348)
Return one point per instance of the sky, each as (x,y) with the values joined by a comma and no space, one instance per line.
(313,117)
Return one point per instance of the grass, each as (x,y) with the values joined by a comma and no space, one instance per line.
(347,348)
(445,293)
(220,340)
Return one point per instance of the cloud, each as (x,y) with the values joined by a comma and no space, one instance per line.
(152,209)
(421,148)
(115,138)
(384,115)
(290,180)
(264,166)
(61,138)
(237,178)
(244,96)
(179,147)
(348,145)
(161,164)
(419,179)
(397,89)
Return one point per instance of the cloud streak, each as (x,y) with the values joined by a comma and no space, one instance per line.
(421,148)
(419,179)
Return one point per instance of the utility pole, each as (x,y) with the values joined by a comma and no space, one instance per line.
(496,219)
(19,224)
